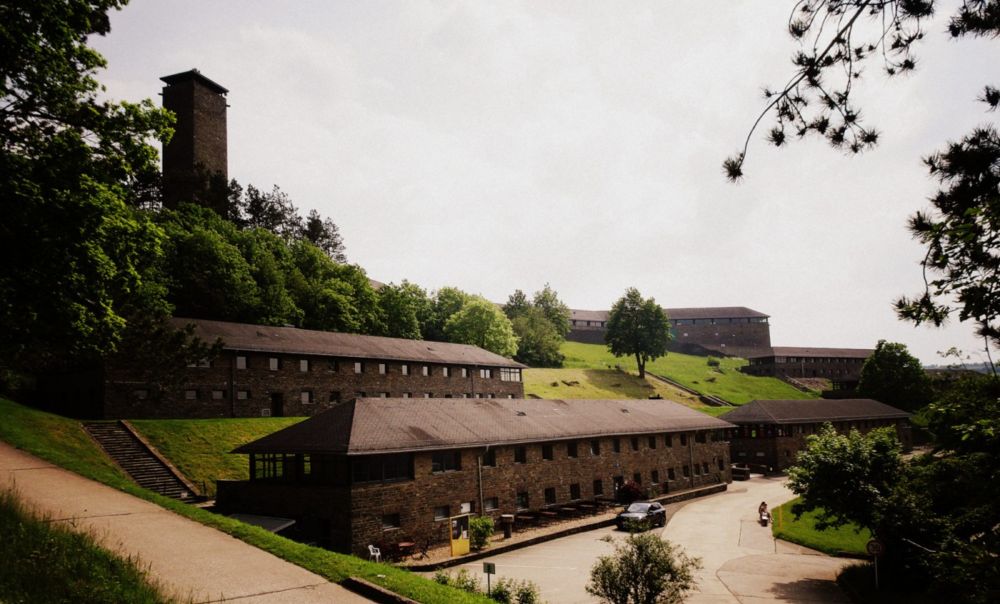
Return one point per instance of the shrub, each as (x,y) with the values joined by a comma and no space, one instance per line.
(643,569)
(713,362)
(510,591)
(463,580)
(480,531)
(629,492)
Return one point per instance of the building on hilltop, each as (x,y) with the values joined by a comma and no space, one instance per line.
(769,434)
(195,161)
(384,471)
(733,330)
(275,371)
(842,366)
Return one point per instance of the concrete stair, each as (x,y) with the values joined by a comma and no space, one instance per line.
(135,458)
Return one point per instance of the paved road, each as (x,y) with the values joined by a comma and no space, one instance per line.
(191,561)
(742,562)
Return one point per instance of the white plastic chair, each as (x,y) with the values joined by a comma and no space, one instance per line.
(374,553)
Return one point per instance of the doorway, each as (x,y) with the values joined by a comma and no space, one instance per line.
(277,404)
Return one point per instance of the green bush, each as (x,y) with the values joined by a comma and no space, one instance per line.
(480,530)
(510,591)
(463,580)
(713,362)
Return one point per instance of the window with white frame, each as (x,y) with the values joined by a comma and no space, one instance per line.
(273,363)
(404,369)
(381,368)
(191,395)
(425,370)
(306,397)
(218,395)
(242,395)
(486,374)
(304,365)
(465,372)
(359,367)
(446,371)
(241,362)
(510,374)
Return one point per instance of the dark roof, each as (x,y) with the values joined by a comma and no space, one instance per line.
(393,425)
(720,312)
(194,74)
(291,340)
(812,411)
(837,353)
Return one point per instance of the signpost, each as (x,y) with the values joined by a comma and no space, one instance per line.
(490,569)
(876,549)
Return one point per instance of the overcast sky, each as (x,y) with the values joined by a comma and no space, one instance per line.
(499,145)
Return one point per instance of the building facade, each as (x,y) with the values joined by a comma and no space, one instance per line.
(770,434)
(275,371)
(841,365)
(733,331)
(391,470)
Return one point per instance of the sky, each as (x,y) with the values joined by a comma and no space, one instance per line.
(495,146)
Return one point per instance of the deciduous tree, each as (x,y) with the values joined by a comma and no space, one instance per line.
(479,322)
(639,328)
(645,569)
(895,377)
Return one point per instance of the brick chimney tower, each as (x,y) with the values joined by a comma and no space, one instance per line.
(195,163)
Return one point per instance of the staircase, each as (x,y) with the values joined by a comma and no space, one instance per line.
(133,456)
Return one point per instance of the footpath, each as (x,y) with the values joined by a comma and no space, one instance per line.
(192,562)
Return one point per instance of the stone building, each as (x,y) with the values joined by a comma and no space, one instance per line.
(275,371)
(733,331)
(391,470)
(769,434)
(840,365)
(195,161)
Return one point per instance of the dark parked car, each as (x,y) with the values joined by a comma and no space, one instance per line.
(645,514)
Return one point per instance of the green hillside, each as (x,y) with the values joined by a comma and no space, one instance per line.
(724,381)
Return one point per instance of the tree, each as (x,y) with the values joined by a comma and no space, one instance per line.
(447,301)
(481,323)
(74,251)
(643,570)
(538,342)
(405,307)
(272,211)
(639,328)
(547,300)
(325,235)
(517,304)
(895,377)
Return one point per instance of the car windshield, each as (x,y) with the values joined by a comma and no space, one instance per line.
(638,507)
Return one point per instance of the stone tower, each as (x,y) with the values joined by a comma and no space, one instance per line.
(195,164)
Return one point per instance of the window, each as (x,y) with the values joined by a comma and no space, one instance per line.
(334,396)
(359,367)
(465,372)
(442,512)
(306,397)
(520,454)
(634,441)
(446,371)
(273,363)
(140,394)
(446,461)
(466,507)
(491,504)
(218,395)
(699,437)
(697,470)
(652,442)
(404,369)
(390,522)
(670,474)
(304,365)
(654,477)
(448,396)
(595,447)
(242,395)
(574,491)
(668,440)
(490,458)
(332,365)
(684,440)
(686,471)
(522,500)
(704,467)
(478,395)
(359,394)
(382,468)
(637,478)
(486,374)
(547,452)
(191,395)
(427,395)
(383,395)
(406,395)
(616,445)
(571,450)
(241,362)
(721,464)
(598,487)
(381,368)
(425,370)
(550,495)
(508,374)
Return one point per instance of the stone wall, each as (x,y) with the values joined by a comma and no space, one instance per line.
(839,369)
(223,389)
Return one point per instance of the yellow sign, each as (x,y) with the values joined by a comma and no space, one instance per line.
(460,535)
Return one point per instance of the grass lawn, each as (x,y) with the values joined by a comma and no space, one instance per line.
(200,448)
(803,531)
(45,562)
(724,381)
(63,442)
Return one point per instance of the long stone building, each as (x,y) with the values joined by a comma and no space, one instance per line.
(384,471)
(769,434)
(730,330)
(275,371)
(840,365)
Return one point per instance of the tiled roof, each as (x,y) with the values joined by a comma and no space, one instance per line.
(812,411)
(838,353)
(367,426)
(721,312)
(291,340)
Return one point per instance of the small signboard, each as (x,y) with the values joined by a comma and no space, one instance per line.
(460,535)
(875,547)
(489,568)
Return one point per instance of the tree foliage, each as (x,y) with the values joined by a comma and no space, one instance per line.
(541,325)
(75,253)
(638,327)
(895,377)
(547,300)
(479,322)
(324,234)
(643,570)
(405,309)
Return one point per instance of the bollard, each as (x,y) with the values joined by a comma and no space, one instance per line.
(508,524)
